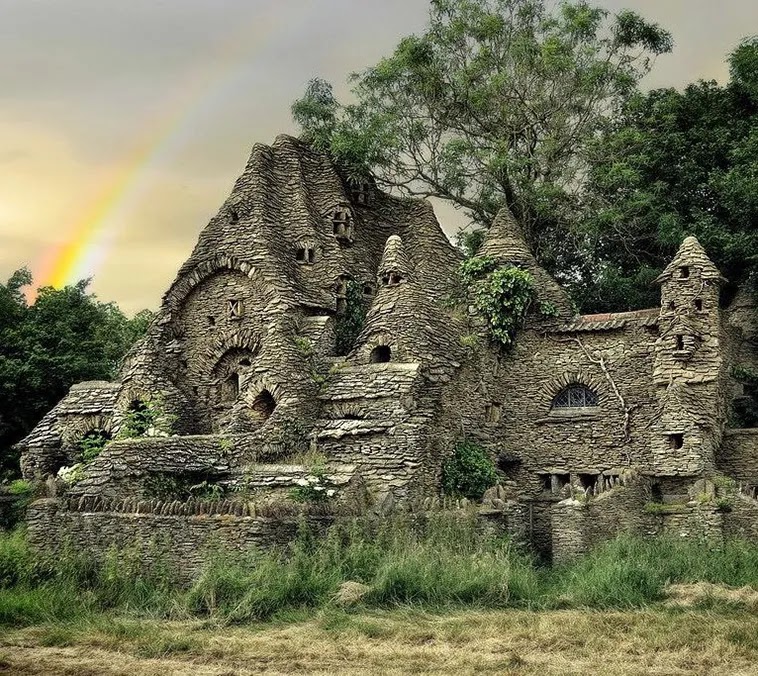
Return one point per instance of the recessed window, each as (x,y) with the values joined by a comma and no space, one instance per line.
(676,441)
(244,362)
(234,308)
(342,225)
(684,272)
(380,354)
(368,289)
(305,255)
(698,304)
(360,192)
(392,278)
(679,342)
(211,320)
(234,216)
(230,388)
(575,396)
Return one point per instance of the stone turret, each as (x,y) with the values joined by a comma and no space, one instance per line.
(403,323)
(689,363)
(505,242)
(395,268)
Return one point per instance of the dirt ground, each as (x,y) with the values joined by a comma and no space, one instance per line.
(664,641)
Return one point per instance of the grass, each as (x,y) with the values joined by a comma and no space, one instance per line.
(399,642)
(445,564)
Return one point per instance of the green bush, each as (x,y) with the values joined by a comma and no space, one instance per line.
(469,471)
(502,295)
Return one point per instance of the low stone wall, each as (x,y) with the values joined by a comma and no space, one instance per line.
(183,542)
(580,526)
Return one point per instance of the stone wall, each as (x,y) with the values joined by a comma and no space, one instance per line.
(182,542)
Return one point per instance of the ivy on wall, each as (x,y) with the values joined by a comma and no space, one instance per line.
(350,322)
(501,294)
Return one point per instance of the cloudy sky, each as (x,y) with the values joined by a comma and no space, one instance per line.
(124,124)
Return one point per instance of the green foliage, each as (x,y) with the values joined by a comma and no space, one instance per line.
(316,487)
(469,471)
(547,309)
(674,163)
(494,103)
(183,486)
(146,417)
(91,444)
(23,493)
(65,336)
(502,295)
(350,322)
(438,562)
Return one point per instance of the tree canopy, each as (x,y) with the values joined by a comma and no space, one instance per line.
(494,104)
(64,337)
(674,164)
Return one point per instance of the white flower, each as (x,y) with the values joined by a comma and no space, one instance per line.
(70,474)
(330,493)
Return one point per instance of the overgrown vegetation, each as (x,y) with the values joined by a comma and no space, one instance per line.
(443,563)
(65,336)
(469,471)
(146,417)
(350,321)
(501,294)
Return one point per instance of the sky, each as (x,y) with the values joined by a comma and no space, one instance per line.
(123,125)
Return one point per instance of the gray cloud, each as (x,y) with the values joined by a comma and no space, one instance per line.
(95,77)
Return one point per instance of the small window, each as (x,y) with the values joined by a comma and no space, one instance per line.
(234,217)
(368,290)
(672,305)
(211,320)
(392,278)
(380,354)
(680,342)
(360,192)
(305,255)
(342,225)
(684,272)
(676,441)
(245,362)
(698,304)
(234,308)
(575,396)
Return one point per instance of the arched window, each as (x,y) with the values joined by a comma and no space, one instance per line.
(575,396)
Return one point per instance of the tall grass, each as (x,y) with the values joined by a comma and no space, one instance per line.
(442,562)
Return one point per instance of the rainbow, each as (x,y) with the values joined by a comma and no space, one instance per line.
(94,230)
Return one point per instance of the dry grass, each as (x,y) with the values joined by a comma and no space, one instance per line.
(399,642)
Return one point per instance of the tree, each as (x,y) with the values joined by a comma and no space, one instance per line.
(493,104)
(66,336)
(673,164)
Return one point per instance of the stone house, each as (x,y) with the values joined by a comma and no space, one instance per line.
(597,423)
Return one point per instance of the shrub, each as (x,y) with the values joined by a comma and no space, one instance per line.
(469,471)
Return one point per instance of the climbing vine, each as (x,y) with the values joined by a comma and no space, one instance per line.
(350,322)
(501,294)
